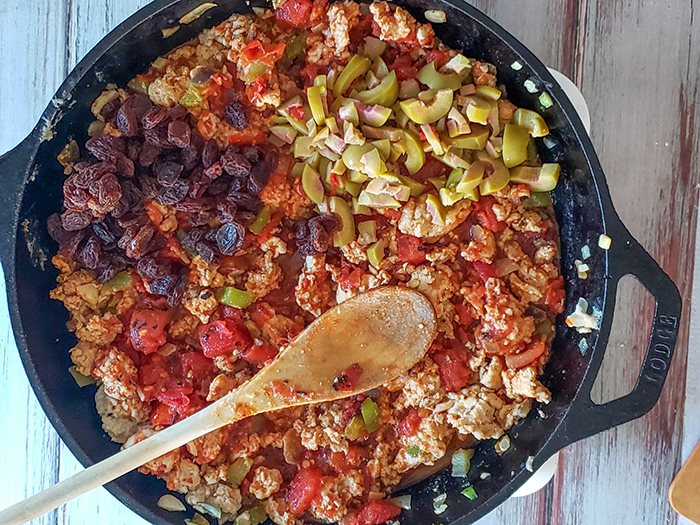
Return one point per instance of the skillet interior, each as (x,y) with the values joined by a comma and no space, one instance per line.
(40,323)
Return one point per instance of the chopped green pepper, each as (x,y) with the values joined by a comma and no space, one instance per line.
(370,414)
(470,493)
(414,450)
(355,429)
(375,254)
(236,298)
(118,282)
(238,470)
(537,199)
(257,515)
(191,98)
(295,46)
(261,220)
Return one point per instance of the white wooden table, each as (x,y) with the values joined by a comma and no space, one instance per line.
(637,64)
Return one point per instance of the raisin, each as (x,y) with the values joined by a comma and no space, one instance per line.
(179,134)
(70,246)
(259,177)
(210,153)
(193,205)
(238,115)
(125,166)
(73,220)
(246,218)
(153,267)
(149,186)
(199,183)
(138,244)
(149,153)
(173,194)
(157,136)
(253,154)
(235,164)
(140,104)
(226,212)
(229,238)
(105,273)
(120,209)
(192,153)
(133,220)
(214,171)
(104,233)
(167,172)
(108,192)
(91,253)
(86,174)
(131,195)
(74,198)
(109,110)
(176,293)
(205,252)
(177,112)
(154,117)
(200,218)
(161,285)
(56,230)
(189,241)
(245,201)
(127,122)
(210,235)
(105,147)
(133,149)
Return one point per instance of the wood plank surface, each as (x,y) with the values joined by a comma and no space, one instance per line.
(637,63)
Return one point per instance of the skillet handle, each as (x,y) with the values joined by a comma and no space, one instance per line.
(627,257)
(14,166)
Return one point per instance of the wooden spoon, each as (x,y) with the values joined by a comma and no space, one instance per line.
(386,331)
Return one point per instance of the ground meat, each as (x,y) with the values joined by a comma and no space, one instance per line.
(204,274)
(181,328)
(265,277)
(476,411)
(83,356)
(399,25)
(117,421)
(342,17)
(266,481)
(288,197)
(184,477)
(438,284)
(482,247)
(313,291)
(484,74)
(504,319)
(276,509)
(275,246)
(201,302)
(205,449)
(118,373)
(523,383)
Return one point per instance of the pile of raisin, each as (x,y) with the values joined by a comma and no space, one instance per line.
(104,226)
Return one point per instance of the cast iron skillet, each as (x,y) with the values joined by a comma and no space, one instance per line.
(32,181)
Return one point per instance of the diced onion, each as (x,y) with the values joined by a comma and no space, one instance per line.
(529,464)
(196,13)
(403,502)
(530,86)
(461,462)
(506,266)
(171,503)
(604,242)
(435,16)
(170,31)
(517,66)
(205,508)
(503,444)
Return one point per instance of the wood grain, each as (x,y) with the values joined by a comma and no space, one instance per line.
(636,62)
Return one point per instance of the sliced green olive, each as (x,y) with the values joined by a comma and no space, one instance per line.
(352,156)
(476,140)
(438,182)
(375,253)
(429,76)
(454,177)
(375,115)
(515,140)
(409,88)
(380,68)
(377,201)
(342,209)
(415,156)
(498,177)
(373,47)
(433,139)
(448,196)
(316,104)
(452,159)
(385,94)
(311,182)
(416,187)
(357,176)
(372,163)
(472,195)
(357,66)
(303,147)
(531,120)
(539,179)
(472,177)
(353,188)
(422,113)
(384,147)
(488,92)
(360,209)
(477,110)
(367,232)
(436,210)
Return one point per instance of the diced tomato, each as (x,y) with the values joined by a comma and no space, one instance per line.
(266,54)
(163,415)
(485,271)
(453,371)
(275,220)
(196,404)
(404,68)
(200,365)
(147,78)
(247,137)
(377,512)
(310,71)
(230,312)
(348,379)
(515,361)
(462,335)
(261,313)
(431,168)
(464,314)
(206,125)
(294,13)
(304,488)
(153,376)
(224,337)
(439,57)
(555,295)
(410,249)
(394,215)
(297,112)
(483,209)
(146,330)
(259,354)
(350,278)
(408,426)
(176,397)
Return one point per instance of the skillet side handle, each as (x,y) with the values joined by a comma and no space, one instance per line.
(14,166)
(627,257)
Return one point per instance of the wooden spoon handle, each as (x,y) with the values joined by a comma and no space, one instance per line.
(111,468)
